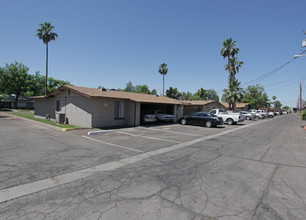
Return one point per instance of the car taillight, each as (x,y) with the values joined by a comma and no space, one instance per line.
(239,117)
(147,117)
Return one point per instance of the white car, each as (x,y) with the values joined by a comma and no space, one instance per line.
(256,113)
(147,118)
(163,116)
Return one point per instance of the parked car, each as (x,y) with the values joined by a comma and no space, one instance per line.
(263,113)
(248,115)
(163,116)
(271,114)
(149,117)
(258,115)
(229,118)
(202,118)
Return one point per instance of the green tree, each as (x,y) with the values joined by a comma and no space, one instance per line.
(229,50)
(163,70)
(286,108)
(186,95)
(201,94)
(45,34)
(36,84)
(142,89)
(172,93)
(129,87)
(256,97)
(14,79)
(212,95)
(277,104)
(153,92)
(54,84)
(233,94)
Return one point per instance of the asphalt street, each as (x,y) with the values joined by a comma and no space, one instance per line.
(255,170)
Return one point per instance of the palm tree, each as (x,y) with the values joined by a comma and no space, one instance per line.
(274,97)
(45,33)
(163,70)
(234,66)
(233,94)
(229,50)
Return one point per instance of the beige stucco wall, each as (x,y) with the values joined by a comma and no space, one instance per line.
(78,109)
(103,113)
(42,107)
(179,111)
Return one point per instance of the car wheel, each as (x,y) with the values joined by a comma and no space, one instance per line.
(230,121)
(248,118)
(183,121)
(208,124)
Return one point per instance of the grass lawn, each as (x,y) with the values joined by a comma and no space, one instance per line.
(31,117)
(5,110)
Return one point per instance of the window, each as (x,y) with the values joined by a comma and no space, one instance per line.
(58,105)
(118,110)
(213,112)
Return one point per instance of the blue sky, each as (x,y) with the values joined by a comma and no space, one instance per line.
(112,42)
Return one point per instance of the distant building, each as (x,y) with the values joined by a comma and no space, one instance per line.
(22,103)
(239,106)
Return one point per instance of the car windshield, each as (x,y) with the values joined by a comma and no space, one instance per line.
(160,112)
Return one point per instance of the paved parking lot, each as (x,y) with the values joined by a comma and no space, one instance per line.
(255,170)
(31,151)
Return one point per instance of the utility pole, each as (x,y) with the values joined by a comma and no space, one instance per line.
(300,97)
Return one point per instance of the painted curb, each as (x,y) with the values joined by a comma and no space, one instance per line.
(100,132)
(67,129)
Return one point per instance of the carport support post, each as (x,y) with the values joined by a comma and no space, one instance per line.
(135,115)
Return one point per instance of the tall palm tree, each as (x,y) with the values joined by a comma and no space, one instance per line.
(234,66)
(274,97)
(163,70)
(229,50)
(233,94)
(45,33)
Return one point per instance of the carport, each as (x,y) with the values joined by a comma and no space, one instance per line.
(146,108)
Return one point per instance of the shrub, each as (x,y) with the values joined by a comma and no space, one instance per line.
(303,115)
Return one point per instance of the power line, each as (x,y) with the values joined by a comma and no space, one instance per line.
(264,76)
(286,81)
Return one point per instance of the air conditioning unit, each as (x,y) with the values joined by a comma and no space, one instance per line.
(60,118)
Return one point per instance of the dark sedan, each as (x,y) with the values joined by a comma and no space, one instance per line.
(202,118)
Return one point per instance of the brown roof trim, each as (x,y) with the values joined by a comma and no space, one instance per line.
(136,97)
(200,102)
(68,87)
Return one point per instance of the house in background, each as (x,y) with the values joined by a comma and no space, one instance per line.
(23,102)
(90,107)
(200,106)
(239,106)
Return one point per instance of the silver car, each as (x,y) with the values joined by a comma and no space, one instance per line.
(248,115)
